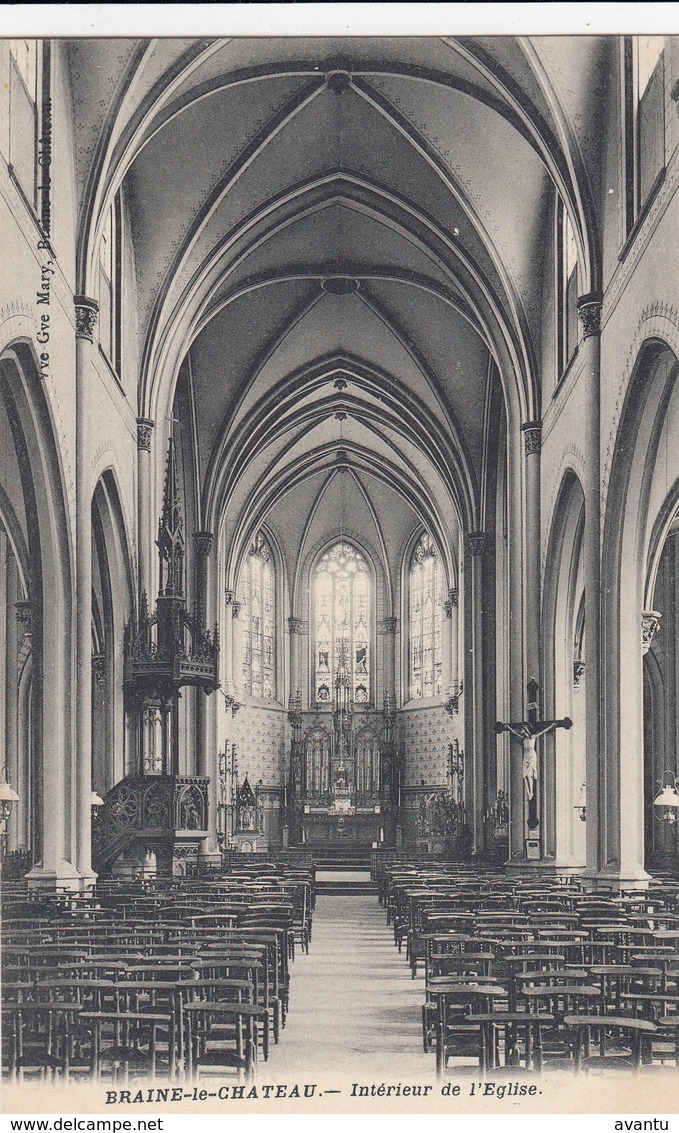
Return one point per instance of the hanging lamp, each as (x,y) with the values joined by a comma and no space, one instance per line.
(666,802)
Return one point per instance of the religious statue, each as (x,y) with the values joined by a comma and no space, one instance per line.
(341,782)
(528,731)
(423,816)
(190,817)
(501,809)
(247,807)
(530,755)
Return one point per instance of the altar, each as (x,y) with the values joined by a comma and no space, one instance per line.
(343,822)
(341,771)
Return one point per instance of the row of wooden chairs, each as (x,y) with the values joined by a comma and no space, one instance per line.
(539,976)
(162,980)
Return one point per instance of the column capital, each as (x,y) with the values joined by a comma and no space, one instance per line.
(589,312)
(650,626)
(578,672)
(230,596)
(145,427)
(452,602)
(532,434)
(476,542)
(86,311)
(390,625)
(99,669)
(24,616)
(203,541)
(236,608)
(295,625)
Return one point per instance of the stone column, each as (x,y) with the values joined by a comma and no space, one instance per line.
(5,617)
(452,641)
(474,777)
(572,825)
(229,597)
(532,433)
(145,429)
(295,627)
(11,691)
(99,697)
(28,791)
(514,691)
(589,310)
(237,672)
(85,320)
(8,683)
(202,542)
(389,640)
(207,751)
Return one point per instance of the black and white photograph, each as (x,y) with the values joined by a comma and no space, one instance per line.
(339,566)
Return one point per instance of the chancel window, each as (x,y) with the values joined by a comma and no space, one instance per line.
(110,267)
(567,289)
(342,613)
(23,93)
(426,620)
(258,600)
(645,119)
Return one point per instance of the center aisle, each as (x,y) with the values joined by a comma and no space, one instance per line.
(354,1010)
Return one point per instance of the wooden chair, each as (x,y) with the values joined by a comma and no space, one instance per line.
(124,1043)
(455,1034)
(622,1043)
(207,1049)
(501,1031)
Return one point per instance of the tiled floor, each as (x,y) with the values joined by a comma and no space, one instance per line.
(354,1009)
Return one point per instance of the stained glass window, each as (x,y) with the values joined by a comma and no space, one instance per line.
(342,611)
(257,596)
(427,596)
(316,761)
(368,762)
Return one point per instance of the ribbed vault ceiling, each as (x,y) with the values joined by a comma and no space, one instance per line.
(341,243)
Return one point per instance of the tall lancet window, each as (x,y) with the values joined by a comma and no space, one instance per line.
(426,620)
(342,613)
(258,600)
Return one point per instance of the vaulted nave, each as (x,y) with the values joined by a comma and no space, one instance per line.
(338,494)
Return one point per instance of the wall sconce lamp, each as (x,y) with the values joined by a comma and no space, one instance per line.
(452,704)
(582,805)
(8,797)
(666,802)
(96,804)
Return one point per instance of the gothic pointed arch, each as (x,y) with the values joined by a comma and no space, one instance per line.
(342,606)
(427,593)
(46,705)
(564,674)
(650,413)
(257,594)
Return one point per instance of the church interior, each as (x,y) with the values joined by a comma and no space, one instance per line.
(338,557)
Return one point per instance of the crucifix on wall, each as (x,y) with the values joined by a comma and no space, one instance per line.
(528,731)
